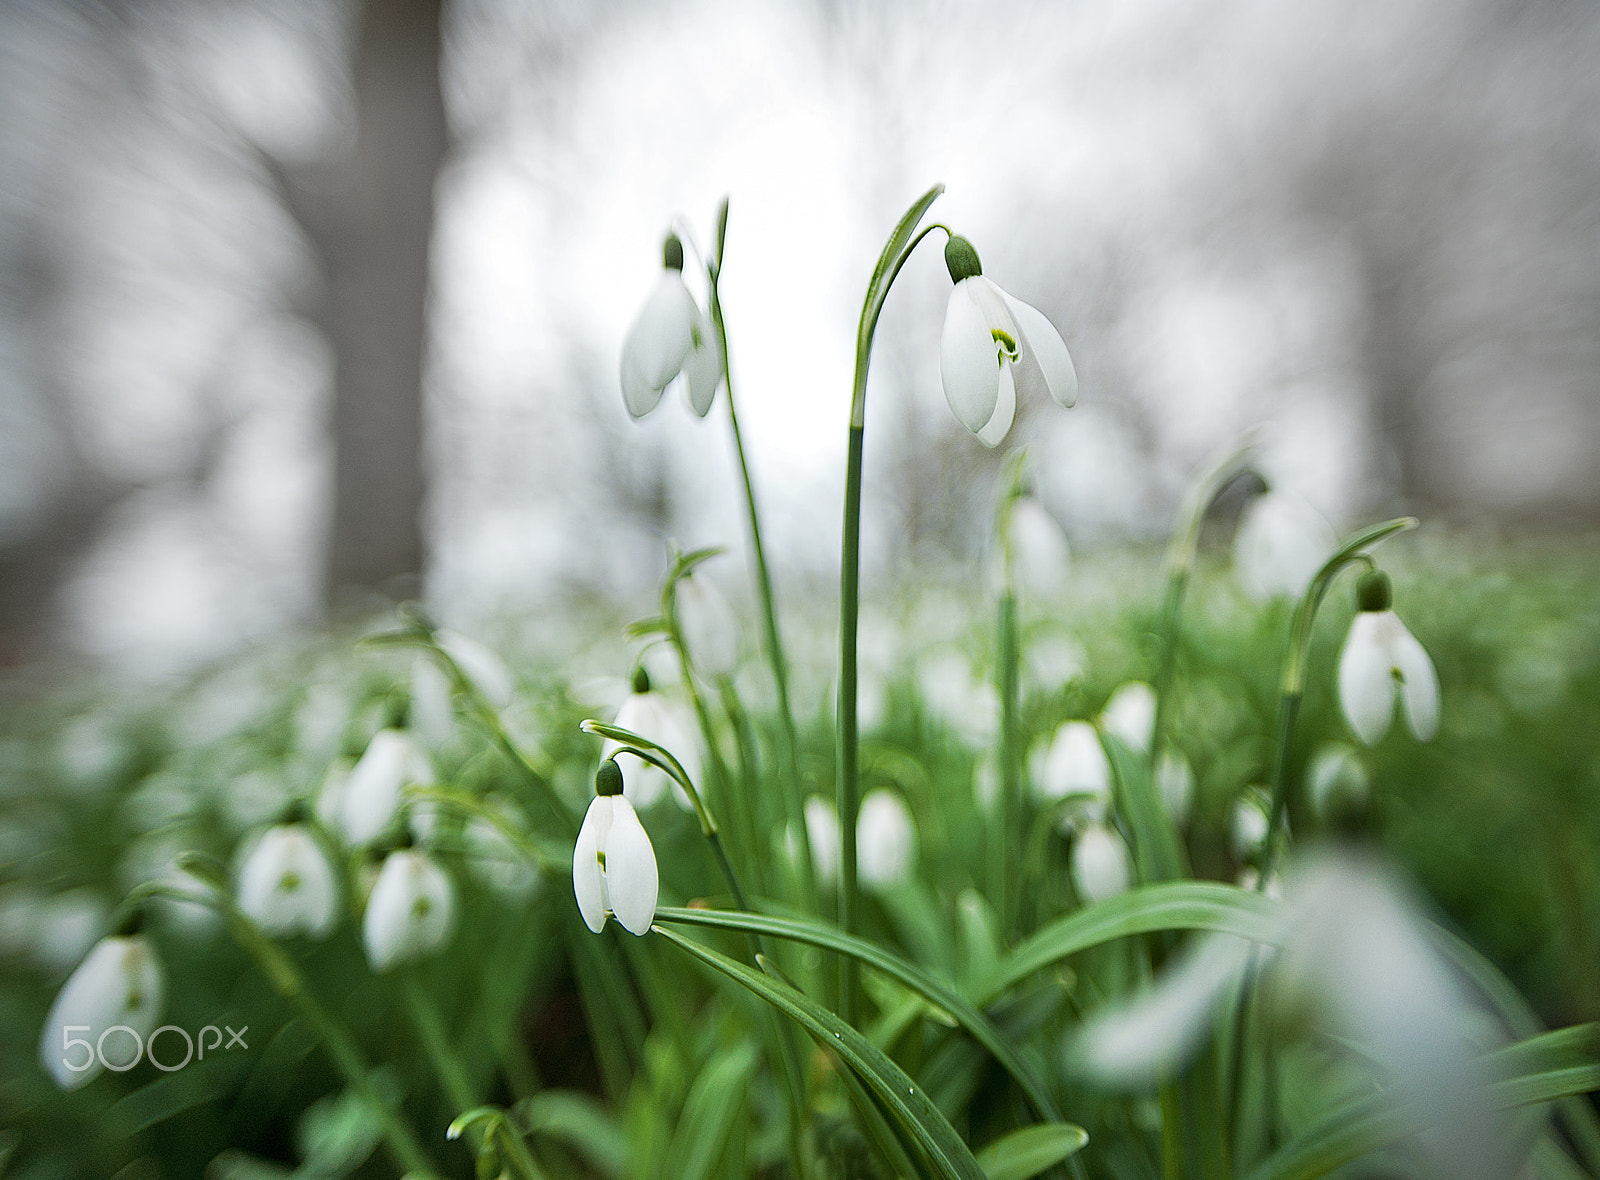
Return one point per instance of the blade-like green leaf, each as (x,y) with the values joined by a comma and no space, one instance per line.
(893,253)
(1025,1153)
(1157,851)
(709,1112)
(910,1106)
(581,1121)
(945,998)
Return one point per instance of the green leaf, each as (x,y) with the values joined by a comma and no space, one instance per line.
(581,1121)
(1025,1153)
(893,255)
(930,989)
(1157,851)
(909,1105)
(709,1113)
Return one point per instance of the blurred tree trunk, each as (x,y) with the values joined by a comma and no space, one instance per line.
(376,249)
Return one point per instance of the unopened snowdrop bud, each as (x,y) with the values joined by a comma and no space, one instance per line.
(483,669)
(666,721)
(1281,543)
(710,629)
(672,338)
(104,1013)
(1175,779)
(994,346)
(1130,715)
(1100,864)
(286,885)
(1076,765)
(1382,660)
(886,841)
(411,912)
(613,864)
(371,796)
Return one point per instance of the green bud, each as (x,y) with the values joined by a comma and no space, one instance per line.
(130,923)
(641,680)
(608,779)
(672,253)
(1373,591)
(961,259)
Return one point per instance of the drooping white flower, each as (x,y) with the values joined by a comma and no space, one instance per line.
(1281,543)
(104,1012)
(1100,865)
(671,338)
(822,828)
(371,795)
(668,722)
(287,886)
(1037,549)
(432,714)
(613,863)
(484,670)
(992,347)
(1248,824)
(1075,764)
(1382,660)
(886,839)
(953,693)
(1130,714)
(1175,780)
(411,912)
(710,628)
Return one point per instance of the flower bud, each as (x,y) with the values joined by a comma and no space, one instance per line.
(961,259)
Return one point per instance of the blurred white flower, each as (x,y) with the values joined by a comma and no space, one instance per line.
(955,696)
(1381,660)
(411,912)
(286,885)
(1130,714)
(1052,661)
(993,344)
(671,337)
(1247,825)
(1075,764)
(668,722)
(371,794)
(1335,780)
(822,828)
(1100,864)
(1175,780)
(1040,558)
(432,714)
(710,628)
(483,669)
(1281,543)
(886,840)
(613,863)
(117,987)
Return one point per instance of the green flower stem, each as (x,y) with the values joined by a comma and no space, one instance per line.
(516,1151)
(436,1043)
(1008,798)
(743,802)
(794,804)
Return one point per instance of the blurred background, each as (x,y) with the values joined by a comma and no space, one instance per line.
(303,301)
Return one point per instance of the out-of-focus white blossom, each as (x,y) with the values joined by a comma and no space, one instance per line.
(667,721)
(1100,865)
(411,911)
(1281,543)
(1175,780)
(119,985)
(1335,780)
(886,839)
(371,794)
(1041,561)
(482,668)
(710,628)
(286,885)
(1130,714)
(1075,764)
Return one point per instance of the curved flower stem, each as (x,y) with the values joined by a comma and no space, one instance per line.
(792,796)
(436,1043)
(895,252)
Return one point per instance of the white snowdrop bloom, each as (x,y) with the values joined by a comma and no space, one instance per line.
(286,885)
(104,1012)
(613,863)
(329,807)
(886,840)
(1335,780)
(671,338)
(371,796)
(1075,764)
(993,346)
(411,912)
(483,669)
(666,721)
(1281,543)
(957,697)
(1247,825)
(1040,559)
(710,628)
(1175,780)
(872,699)
(1130,714)
(493,858)
(1382,660)
(1052,661)
(432,715)
(1100,865)
(822,827)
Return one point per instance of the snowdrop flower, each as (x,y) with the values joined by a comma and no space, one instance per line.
(1035,547)
(432,714)
(287,886)
(1076,765)
(1380,661)
(1175,779)
(117,987)
(1247,827)
(613,864)
(411,912)
(885,839)
(1100,864)
(1130,714)
(955,695)
(483,669)
(1281,543)
(671,338)
(667,722)
(822,827)
(710,630)
(993,344)
(371,795)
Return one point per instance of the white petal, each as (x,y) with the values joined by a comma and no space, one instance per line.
(1100,864)
(630,870)
(885,838)
(588,886)
(1130,714)
(433,906)
(969,359)
(1175,778)
(1366,683)
(372,792)
(1041,560)
(1419,683)
(637,393)
(1281,543)
(657,344)
(118,983)
(485,670)
(386,926)
(287,886)
(702,368)
(1044,356)
(1005,409)
(822,825)
(1075,765)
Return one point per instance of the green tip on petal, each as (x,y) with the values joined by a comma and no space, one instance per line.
(961,259)
(608,779)
(672,253)
(1373,591)
(641,680)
